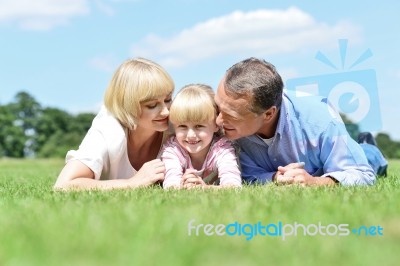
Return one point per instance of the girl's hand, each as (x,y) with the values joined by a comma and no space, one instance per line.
(191,180)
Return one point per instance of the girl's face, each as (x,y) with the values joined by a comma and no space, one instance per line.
(195,137)
(155,113)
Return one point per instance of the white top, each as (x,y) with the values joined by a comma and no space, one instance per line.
(104,148)
(268,141)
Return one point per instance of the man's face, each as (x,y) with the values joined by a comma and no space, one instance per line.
(234,115)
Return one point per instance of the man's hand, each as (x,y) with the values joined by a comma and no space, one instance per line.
(281,178)
(294,173)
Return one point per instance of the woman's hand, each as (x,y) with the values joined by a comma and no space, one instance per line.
(150,173)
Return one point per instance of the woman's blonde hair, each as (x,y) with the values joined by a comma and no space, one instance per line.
(193,103)
(135,81)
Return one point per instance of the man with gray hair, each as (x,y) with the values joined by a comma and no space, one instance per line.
(283,138)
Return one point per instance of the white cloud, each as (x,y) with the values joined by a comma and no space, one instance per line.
(105,8)
(260,32)
(41,14)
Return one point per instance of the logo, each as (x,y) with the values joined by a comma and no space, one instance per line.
(353,93)
(280,229)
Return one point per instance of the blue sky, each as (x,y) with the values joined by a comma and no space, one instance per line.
(64,52)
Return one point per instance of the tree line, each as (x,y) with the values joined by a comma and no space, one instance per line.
(30,130)
(389,147)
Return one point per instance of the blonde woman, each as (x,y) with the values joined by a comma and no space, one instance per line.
(198,156)
(121,149)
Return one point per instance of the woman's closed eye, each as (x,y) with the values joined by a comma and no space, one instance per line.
(152,106)
(155,104)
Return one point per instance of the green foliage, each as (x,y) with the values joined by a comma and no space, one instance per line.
(390,148)
(351,127)
(26,110)
(12,135)
(59,143)
(29,130)
(149,226)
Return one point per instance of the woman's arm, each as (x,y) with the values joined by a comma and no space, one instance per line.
(77,176)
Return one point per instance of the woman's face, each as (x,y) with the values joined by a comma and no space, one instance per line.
(155,113)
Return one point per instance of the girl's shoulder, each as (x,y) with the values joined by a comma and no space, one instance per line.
(171,145)
(221,143)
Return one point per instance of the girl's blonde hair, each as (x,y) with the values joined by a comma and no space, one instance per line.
(135,81)
(193,103)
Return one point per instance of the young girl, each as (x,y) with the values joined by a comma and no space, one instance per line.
(198,156)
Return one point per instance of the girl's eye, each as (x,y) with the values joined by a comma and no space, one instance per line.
(182,126)
(168,100)
(199,126)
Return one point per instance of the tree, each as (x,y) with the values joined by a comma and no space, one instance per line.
(81,123)
(12,135)
(390,148)
(26,109)
(50,122)
(59,132)
(59,144)
(351,127)
(27,129)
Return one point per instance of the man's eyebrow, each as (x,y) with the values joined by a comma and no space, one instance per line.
(230,113)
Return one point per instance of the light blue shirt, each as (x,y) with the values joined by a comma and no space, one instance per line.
(309,131)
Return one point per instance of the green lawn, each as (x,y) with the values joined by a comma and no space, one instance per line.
(150,226)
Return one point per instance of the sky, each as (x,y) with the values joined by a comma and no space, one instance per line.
(64,52)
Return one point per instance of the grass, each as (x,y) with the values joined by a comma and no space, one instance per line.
(150,226)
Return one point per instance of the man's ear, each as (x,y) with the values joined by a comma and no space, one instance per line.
(270,113)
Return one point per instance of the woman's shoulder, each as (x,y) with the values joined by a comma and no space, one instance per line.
(111,130)
(104,119)
(105,122)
